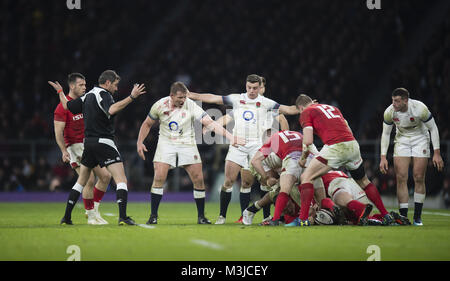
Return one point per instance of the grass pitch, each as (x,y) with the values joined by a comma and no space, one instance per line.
(31,232)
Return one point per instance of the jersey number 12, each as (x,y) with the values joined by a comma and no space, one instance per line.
(328,111)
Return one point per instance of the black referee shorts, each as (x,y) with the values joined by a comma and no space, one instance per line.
(98,151)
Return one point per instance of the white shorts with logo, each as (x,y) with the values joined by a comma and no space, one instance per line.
(75,151)
(348,185)
(418,146)
(177,155)
(290,165)
(242,155)
(344,154)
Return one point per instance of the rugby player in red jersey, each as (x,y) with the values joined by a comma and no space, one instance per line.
(287,145)
(69,135)
(340,149)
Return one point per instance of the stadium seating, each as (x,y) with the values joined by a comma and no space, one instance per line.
(329,49)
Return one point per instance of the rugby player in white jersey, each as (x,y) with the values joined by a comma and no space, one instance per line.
(177,145)
(276,121)
(412,120)
(250,112)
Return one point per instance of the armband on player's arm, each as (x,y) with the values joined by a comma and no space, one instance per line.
(434,132)
(385,138)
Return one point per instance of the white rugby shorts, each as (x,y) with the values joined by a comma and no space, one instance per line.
(418,146)
(345,154)
(75,151)
(177,155)
(348,185)
(242,155)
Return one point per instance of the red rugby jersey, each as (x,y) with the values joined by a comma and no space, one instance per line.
(330,176)
(327,122)
(74,129)
(283,143)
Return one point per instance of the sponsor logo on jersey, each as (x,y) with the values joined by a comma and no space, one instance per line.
(77,117)
(248,115)
(173,126)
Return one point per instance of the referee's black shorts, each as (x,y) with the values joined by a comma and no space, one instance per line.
(100,151)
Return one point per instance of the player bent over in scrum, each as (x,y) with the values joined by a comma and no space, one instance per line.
(176,115)
(69,135)
(340,149)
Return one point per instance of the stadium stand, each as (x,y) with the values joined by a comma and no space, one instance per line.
(332,50)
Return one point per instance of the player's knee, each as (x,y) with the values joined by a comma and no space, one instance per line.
(359,174)
(105,178)
(305,178)
(401,177)
(419,177)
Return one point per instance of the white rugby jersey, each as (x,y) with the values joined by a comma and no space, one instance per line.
(250,115)
(411,122)
(176,124)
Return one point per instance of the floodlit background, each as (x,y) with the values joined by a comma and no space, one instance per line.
(339,52)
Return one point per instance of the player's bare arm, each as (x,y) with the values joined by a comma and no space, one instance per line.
(59,136)
(208,98)
(217,128)
(223,120)
(137,91)
(308,139)
(143,133)
(58,88)
(257,165)
(284,125)
(289,110)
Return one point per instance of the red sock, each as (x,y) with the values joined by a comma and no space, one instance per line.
(306,197)
(281,203)
(374,196)
(376,217)
(356,207)
(98,195)
(327,204)
(88,204)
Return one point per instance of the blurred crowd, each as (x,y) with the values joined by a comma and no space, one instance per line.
(328,49)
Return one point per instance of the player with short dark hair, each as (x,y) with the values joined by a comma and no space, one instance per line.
(250,111)
(69,135)
(99,109)
(412,120)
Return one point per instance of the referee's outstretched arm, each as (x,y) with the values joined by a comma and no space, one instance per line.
(137,91)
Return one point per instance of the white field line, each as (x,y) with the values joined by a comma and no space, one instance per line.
(146,226)
(436,213)
(207,244)
(109,214)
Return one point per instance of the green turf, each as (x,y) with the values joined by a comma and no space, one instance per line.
(31,231)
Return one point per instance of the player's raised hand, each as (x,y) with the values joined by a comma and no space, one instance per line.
(138,90)
(140,150)
(56,86)
(438,162)
(384,165)
(238,141)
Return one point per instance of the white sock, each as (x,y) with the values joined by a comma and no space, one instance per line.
(78,187)
(419,198)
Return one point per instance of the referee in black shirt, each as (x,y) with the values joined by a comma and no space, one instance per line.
(99,109)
